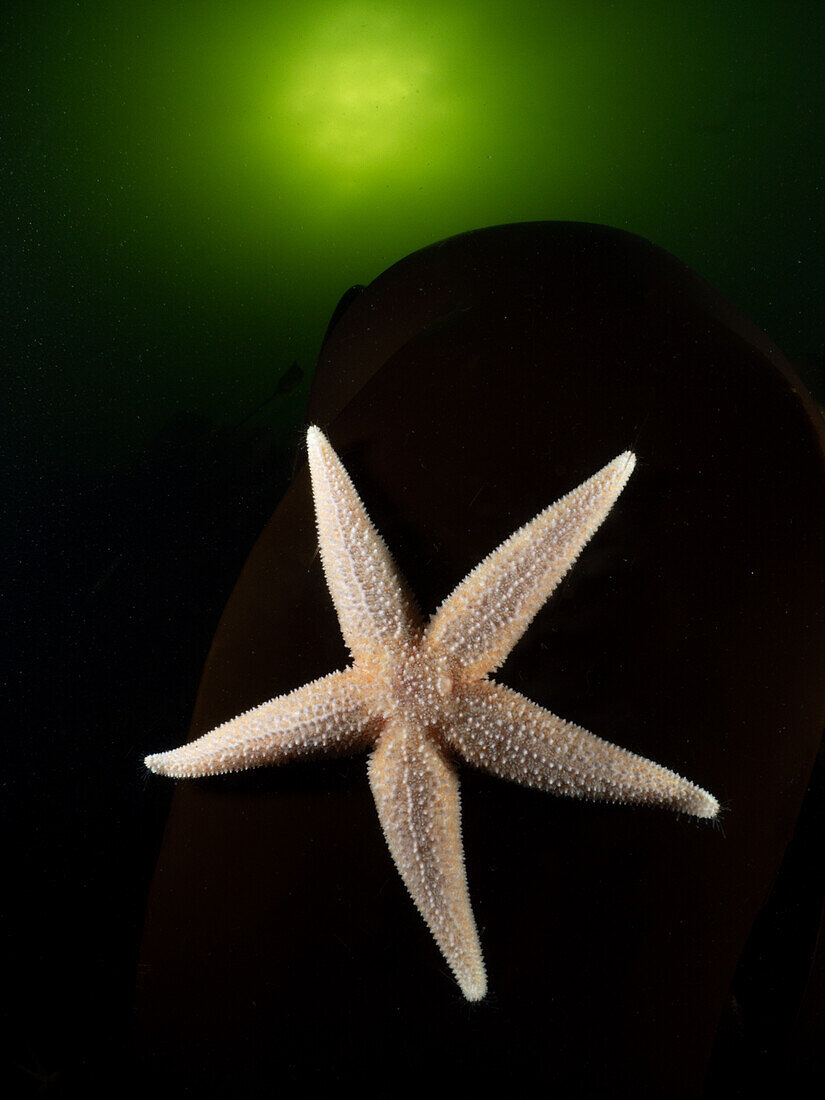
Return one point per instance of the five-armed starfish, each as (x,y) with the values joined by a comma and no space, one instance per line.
(419,695)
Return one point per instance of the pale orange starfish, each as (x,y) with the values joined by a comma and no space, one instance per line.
(419,695)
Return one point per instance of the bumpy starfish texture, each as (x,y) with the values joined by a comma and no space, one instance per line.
(419,695)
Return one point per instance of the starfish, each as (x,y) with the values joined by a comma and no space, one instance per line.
(419,696)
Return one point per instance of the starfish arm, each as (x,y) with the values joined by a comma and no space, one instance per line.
(497,729)
(374,609)
(416,792)
(481,621)
(326,715)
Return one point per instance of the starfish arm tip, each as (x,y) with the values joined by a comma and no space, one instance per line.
(620,470)
(171,765)
(474,986)
(706,805)
(155,762)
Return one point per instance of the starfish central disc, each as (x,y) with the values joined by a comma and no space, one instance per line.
(419,688)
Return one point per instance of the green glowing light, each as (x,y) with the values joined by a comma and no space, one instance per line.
(366,94)
(229,169)
(362,109)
